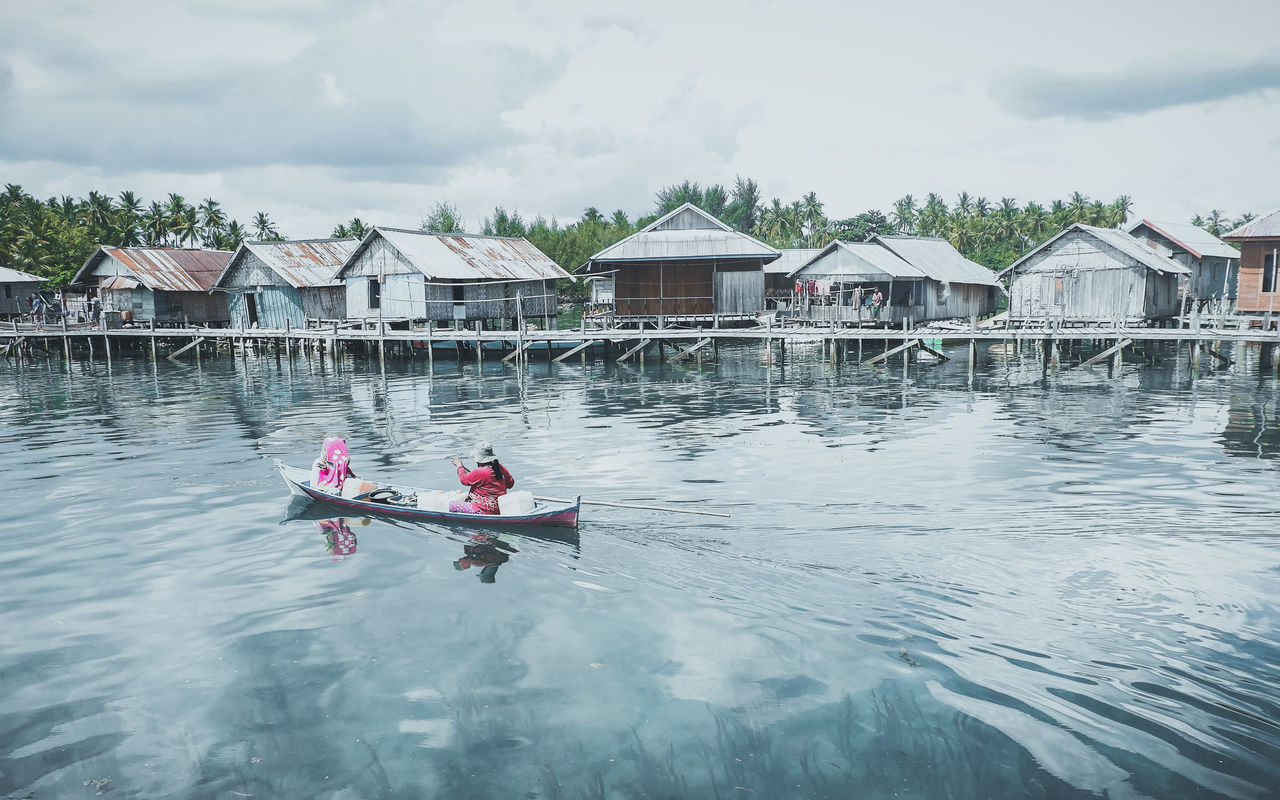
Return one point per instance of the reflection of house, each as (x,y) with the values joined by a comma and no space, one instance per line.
(920,278)
(15,288)
(270,283)
(1212,261)
(687,264)
(1087,274)
(1259,289)
(399,274)
(164,284)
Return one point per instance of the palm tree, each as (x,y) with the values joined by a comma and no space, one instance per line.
(981,207)
(212,218)
(772,224)
(1118,211)
(1214,222)
(1078,207)
(234,235)
(1035,223)
(904,214)
(1060,214)
(264,230)
(155,224)
(188,229)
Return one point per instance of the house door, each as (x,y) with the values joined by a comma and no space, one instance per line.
(251,308)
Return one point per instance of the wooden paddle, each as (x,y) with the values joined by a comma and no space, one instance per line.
(628,505)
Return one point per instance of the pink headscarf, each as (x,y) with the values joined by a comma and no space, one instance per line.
(335,452)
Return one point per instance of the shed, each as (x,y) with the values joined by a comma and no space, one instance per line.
(918,278)
(777,274)
(15,288)
(1214,264)
(1259,285)
(165,284)
(1097,275)
(269,284)
(395,274)
(686,265)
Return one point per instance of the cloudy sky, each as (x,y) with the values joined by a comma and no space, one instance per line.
(319,111)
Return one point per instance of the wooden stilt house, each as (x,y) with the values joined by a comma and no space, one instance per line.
(165,284)
(1259,283)
(919,279)
(15,288)
(400,275)
(1214,264)
(686,266)
(271,284)
(1093,275)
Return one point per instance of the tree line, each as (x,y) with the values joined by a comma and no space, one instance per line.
(54,237)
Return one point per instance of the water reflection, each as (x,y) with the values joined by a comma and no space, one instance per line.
(933,585)
(339,539)
(487,552)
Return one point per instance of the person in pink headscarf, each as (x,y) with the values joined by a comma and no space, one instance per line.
(333,466)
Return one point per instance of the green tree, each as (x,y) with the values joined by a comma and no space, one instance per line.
(444,218)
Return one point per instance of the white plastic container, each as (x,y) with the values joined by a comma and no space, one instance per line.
(515,504)
(435,501)
(353,487)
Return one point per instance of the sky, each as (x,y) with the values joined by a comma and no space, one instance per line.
(316,112)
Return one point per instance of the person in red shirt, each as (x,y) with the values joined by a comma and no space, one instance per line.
(488,481)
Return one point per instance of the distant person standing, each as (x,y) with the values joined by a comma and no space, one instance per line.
(95,310)
(877,300)
(37,310)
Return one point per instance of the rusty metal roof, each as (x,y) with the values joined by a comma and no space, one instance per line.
(300,263)
(1266,226)
(162,268)
(463,256)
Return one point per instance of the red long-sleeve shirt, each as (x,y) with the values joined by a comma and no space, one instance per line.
(483,481)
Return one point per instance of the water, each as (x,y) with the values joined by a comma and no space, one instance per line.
(931,586)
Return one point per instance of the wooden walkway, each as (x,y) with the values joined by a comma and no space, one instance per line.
(876,344)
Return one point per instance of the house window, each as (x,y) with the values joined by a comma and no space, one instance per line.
(8,292)
(458,296)
(375,293)
(1269,272)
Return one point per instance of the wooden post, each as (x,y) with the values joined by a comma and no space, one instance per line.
(88,339)
(106,343)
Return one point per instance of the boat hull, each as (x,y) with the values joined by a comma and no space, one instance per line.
(560,515)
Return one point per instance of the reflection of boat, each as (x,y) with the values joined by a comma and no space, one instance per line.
(400,502)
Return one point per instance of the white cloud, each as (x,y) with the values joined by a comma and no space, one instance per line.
(381,108)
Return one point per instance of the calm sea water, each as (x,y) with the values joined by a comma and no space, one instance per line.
(931,585)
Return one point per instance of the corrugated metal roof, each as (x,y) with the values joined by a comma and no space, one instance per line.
(164,268)
(937,259)
(301,263)
(714,240)
(857,259)
(792,259)
(1119,240)
(1192,238)
(1266,226)
(465,256)
(14,276)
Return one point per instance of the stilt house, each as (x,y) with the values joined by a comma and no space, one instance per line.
(165,284)
(1259,285)
(1214,264)
(1093,275)
(15,288)
(685,266)
(398,275)
(269,284)
(918,278)
(777,274)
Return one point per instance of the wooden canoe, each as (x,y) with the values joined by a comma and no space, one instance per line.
(561,515)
